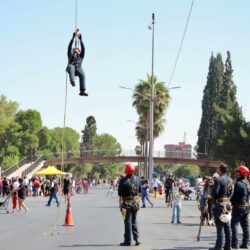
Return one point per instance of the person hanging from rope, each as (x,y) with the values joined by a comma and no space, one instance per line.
(76,52)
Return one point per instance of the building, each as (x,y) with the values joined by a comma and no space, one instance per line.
(180,151)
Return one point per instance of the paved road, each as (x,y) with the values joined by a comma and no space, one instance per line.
(98,225)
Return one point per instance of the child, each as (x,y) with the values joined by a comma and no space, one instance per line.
(176,207)
(14,190)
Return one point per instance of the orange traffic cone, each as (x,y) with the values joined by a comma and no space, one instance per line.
(68,217)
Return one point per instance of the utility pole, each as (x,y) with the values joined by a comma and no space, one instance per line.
(151,111)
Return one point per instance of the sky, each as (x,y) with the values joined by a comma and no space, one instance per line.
(34,39)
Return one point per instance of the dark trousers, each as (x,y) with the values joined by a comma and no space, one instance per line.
(220,226)
(76,71)
(130,226)
(240,216)
(167,194)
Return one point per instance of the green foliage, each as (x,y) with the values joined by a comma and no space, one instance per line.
(138,150)
(88,133)
(222,126)
(29,120)
(186,171)
(8,111)
(108,143)
(11,156)
(8,132)
(211,96)
(141,96)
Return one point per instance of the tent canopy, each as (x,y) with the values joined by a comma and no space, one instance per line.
(50,170)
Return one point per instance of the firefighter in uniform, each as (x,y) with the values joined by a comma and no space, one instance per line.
(220,194)
(128,191)
(240,207)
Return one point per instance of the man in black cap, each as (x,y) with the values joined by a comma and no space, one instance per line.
(220,194)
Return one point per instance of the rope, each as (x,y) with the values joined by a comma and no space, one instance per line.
(76,13)
(53,232)
(182,40)
(64,122)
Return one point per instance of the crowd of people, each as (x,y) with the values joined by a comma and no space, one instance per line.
(221,201)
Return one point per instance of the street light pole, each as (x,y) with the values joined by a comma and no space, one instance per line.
(151,111)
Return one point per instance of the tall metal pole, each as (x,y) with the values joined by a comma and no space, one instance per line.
(151,111)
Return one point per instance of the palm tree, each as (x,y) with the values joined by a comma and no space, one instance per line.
(141,102)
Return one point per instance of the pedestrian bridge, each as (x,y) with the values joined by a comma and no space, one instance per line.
(104,157)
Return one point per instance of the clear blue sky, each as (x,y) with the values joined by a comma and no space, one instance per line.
(34,39)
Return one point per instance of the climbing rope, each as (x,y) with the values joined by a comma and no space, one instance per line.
(76,14)
(53,231)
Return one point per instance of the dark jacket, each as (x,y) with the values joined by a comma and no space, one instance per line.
(222,187)
(126,185)
(76,60)
(240,194)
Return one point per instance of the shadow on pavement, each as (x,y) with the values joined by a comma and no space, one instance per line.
(182,248)
(88,245)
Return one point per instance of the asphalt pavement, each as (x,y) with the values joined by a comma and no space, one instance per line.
(98,225)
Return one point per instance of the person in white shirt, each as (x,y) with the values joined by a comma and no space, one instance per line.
(176,204)
(155,183)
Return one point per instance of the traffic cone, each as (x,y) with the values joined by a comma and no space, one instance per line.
(68,217)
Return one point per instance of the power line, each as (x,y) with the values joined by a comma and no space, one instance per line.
(182,40)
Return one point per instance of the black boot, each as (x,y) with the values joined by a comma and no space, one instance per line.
(83,93)
(137,243)
(73,83)
(125,244)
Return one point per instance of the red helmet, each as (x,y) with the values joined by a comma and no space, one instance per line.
(244,171)
(129,169)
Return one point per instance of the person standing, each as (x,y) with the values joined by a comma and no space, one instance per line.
(145,192)
(176,204)
(155,183)
(128,191)
(21,194)
(14,191)
(53,192)
(66,187)
(240,206)
(169,184)
(221,192)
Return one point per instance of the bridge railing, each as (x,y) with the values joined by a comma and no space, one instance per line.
(14,167)
(33,165)
(96,153)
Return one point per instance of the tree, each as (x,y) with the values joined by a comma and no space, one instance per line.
(29,120)
(141,102)
(186,171)
(88,134)
(8,135)
(141,96)
(106,144)
(211,96)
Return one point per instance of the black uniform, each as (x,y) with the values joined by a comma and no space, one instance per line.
(168,187)
(128,190)
(240,212)
(221,193)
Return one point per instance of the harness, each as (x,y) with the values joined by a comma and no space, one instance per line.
(131,203)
